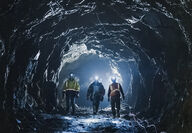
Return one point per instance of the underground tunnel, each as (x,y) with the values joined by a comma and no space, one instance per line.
(145,44)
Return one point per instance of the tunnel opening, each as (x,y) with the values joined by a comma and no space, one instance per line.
(86,65)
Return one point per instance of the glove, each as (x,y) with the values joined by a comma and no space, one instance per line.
(63,94)
(77,95)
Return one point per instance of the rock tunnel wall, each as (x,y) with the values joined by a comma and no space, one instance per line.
(35,35)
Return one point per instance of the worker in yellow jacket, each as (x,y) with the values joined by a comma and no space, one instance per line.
(71,89)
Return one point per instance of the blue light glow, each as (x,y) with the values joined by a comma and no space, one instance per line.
(89,67)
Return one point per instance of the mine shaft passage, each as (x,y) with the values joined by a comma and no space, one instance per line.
(52,50)
(89,65)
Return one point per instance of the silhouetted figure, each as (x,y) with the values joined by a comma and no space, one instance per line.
(114,93)
(95,93)
(71,90)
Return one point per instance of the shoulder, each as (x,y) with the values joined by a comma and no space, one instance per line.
(76,81)
(91,84)
(100,84)
(67,80)
(119,84)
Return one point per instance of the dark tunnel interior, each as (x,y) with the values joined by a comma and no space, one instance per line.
(146,44)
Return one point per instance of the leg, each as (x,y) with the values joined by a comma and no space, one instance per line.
(113,106)
(67,103)
(73,104)
(97,106)
(118,103)
(94,106)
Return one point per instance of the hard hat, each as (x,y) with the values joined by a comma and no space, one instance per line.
(113,79)
(71,75)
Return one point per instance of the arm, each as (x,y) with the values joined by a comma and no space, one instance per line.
(89,92)
(65,86)
(77,89)
(121,90)
(64,89)
(109,92)
(103,90)
(77,86)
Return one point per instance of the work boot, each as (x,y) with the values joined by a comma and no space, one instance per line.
(66,111)
(94,113)
(73,113)
(118,114)
(114,114)
(94,110)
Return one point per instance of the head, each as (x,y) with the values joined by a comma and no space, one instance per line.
(71,76)
(113,79)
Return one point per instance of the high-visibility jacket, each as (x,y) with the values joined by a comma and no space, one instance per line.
(114,90)
(72,85)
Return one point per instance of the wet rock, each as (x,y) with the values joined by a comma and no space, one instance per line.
(82,123)
(148,35)
(2,48)
(8,122)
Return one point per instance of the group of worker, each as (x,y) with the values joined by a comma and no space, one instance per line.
(95,93)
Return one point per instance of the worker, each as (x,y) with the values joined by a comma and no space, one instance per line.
(71,90)
(114,95)
(96,94)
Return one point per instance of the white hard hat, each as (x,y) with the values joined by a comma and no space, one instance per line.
(113,79)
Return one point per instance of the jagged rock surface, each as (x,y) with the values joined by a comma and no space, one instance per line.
(153,36)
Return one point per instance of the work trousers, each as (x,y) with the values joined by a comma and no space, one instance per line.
(70,100)
(96,102)
(115,103)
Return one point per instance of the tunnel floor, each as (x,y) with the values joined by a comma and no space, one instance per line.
(84,121)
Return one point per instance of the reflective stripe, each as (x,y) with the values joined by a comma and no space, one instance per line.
(67,83)
(71,90)
(75,84)
(114,90)
(111,87)
(71,85)
(118,87)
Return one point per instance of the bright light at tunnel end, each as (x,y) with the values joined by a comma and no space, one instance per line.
(96,78)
